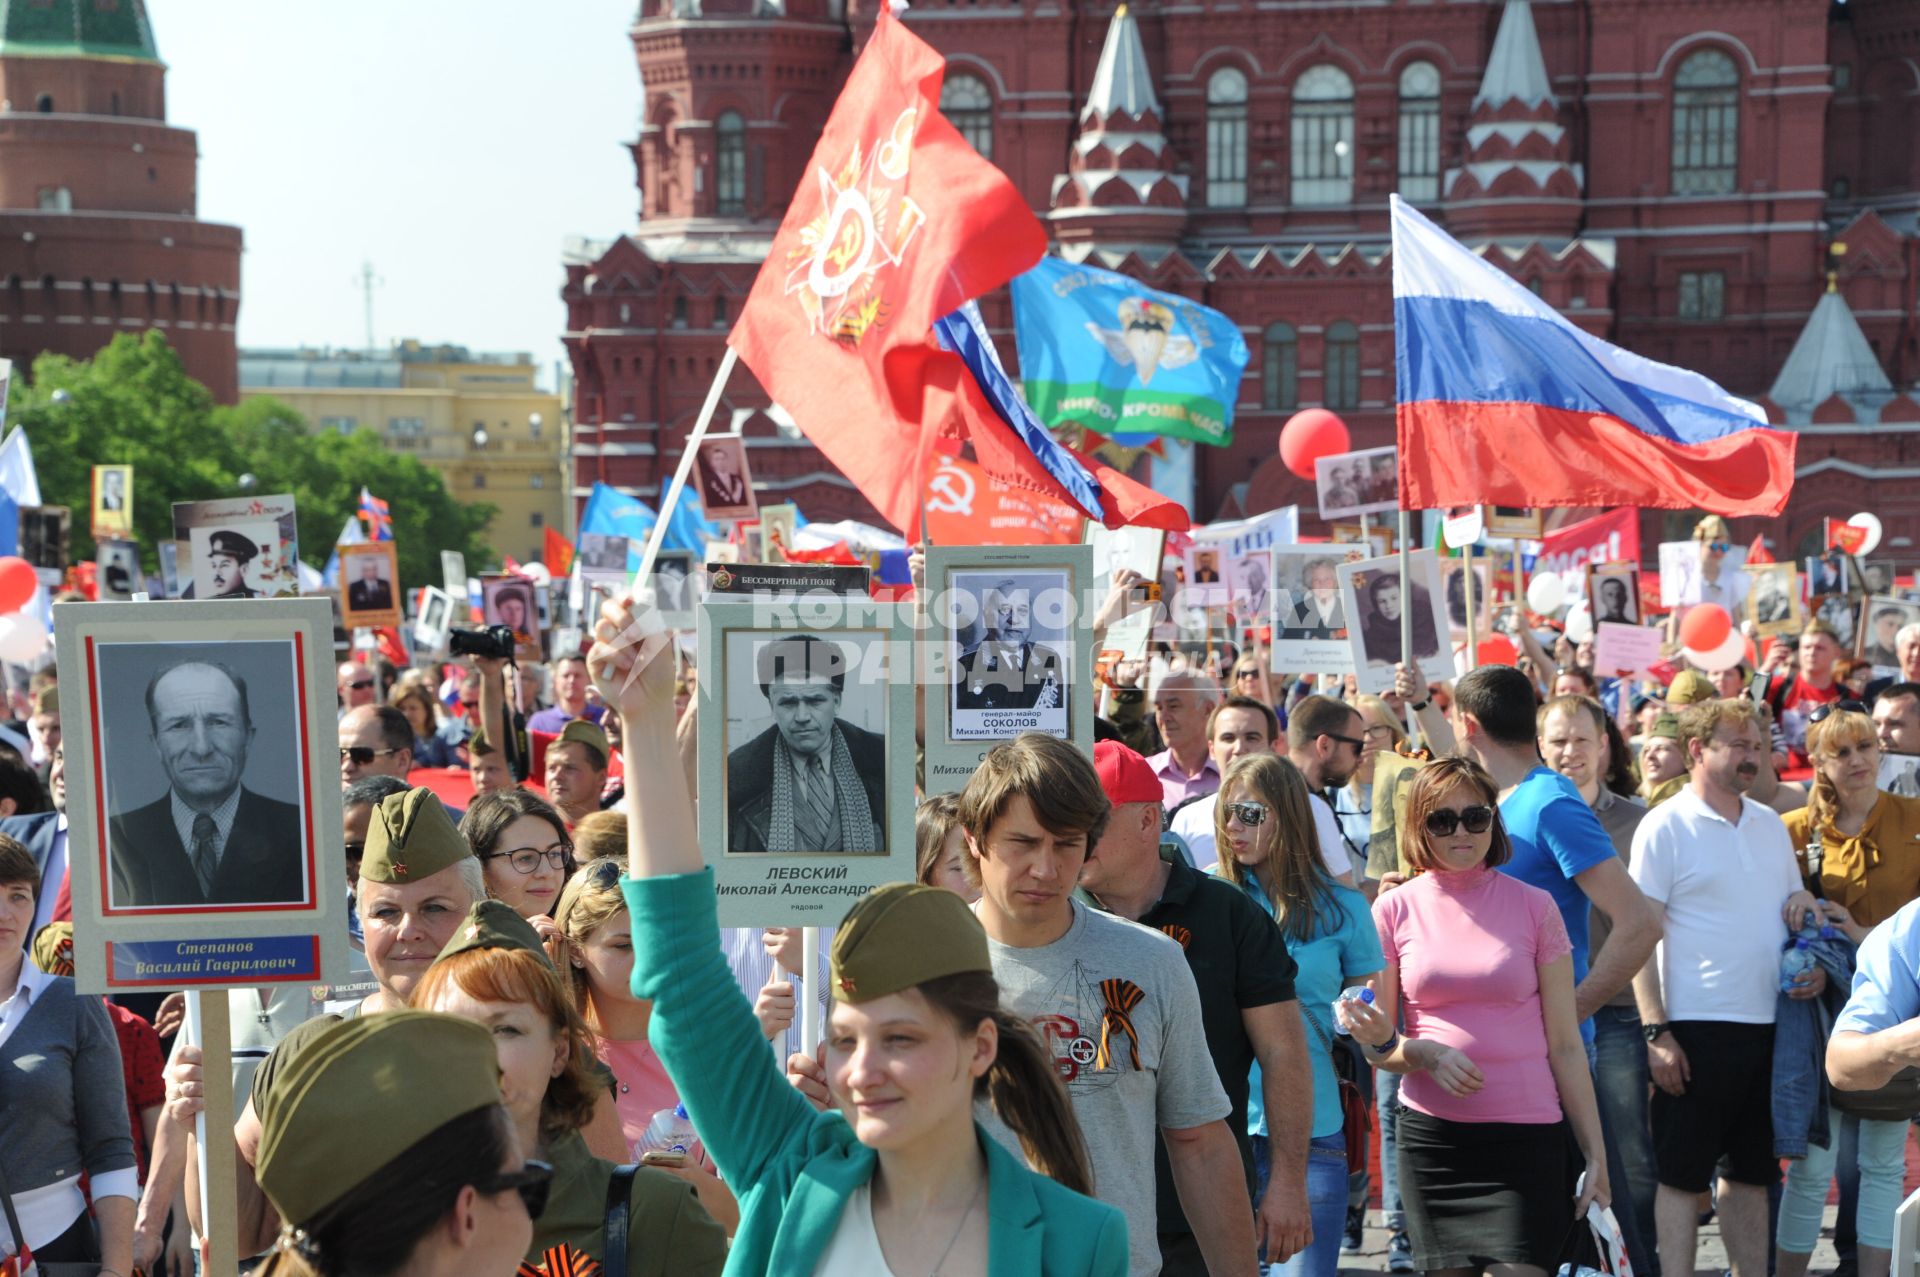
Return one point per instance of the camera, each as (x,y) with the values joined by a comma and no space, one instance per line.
(492,643)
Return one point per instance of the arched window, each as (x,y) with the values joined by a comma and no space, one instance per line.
(1227,138)
(1706,124)
(1323,137)
(1420,132)
(1280,375)
(1340,372)
(44,104)
(730,164)
(680,311)
(968,106)
(720,311)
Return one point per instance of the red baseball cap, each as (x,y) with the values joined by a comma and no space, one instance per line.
(1127,777)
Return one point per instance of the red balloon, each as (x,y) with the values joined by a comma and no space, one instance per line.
(1705,627)
(1497,650)
(18,581)
(1310,434)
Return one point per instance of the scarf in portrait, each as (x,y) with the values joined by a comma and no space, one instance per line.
(856,817)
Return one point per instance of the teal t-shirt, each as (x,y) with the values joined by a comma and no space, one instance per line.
(1344,947)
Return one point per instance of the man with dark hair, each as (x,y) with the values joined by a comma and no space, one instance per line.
(1883,635)
(375,740)
(1237,726)
(1896,718)
(1114,1002)
(1324,740)
(812,782)
(228,554)
(209,839)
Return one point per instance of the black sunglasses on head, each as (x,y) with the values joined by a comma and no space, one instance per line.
(531,1181)
(1826,711)
(1477,818)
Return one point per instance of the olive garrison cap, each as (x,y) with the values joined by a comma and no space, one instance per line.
(410,837)
(583,732)
(902,935)
(1666,726)
(47,700)
(1689,687)
(492,924)
(478,746)
(233,545)
(361,1093)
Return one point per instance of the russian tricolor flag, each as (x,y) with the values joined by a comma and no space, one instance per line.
(1504,402)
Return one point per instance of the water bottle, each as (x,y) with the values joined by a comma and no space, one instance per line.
(1793,963)
(669,1132)
(1357,993)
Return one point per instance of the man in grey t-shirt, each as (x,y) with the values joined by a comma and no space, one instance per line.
(1113,1001)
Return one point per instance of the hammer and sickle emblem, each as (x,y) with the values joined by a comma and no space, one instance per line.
(951,490)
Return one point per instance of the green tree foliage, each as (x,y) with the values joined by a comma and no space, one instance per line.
(133,404)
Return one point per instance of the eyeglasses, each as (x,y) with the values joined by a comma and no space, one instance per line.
(361,685)
(1721,546)
(606,873)
(1252,815)
(1246,673)
(1477,818)
(1354,741)
(527,859)
(355,850)
(363,755)
(1379,731)
(531,1181)
(1832,707)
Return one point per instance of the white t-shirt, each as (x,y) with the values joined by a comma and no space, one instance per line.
(1194,823)
(855,1244)
(1723,887)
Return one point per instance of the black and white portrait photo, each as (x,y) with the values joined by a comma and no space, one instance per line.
(112,502)
(1885,618)
(806,743)
(1773,599)
(1614,596)
(435,619)
(602,551)
(1134,549)
(1011,653)
(726,484)
(1251,586)
(117,570)
(676,587)
(44,531)
(201,775)
(509,601)
(1376,601)
(1353,483)
(1837,610)
(366,577)
(1826,574)
(1309,619)
(1876,576)
(239,548)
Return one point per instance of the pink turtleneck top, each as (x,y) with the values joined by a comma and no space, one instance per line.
(1469,945)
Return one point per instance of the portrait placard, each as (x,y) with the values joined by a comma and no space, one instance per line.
(1622,650)
(1874,577)
(1613,594)
(677,587)
(1206,576)
(1513,523)
(117,571)
(369,585)
(602,552)
(1679,573)
(1838,612)
(239,548)
(508,600)
(1827,574)
(726,482)
(1140,550)
(44,533)
(453,573)
(1309,616)
(1009,650)
(435,619)
(112,503)
(175,572)
(778,523)
(204,815)
(1881,620)
(1371,592)
(1377,537)
(1773,598)
(806,757)
(1355,483)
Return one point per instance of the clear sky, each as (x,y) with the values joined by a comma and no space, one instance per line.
(452,143)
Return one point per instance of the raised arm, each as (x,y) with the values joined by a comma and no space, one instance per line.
(632,667)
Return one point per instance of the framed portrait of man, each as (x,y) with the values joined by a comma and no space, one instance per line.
(239,548)
(602,552)
(117,571)
(112,503)
(369,584)
(677,588)
(45,531)
(1838,611)
(205,817)
(1773,599)
(1881,620)
(435,619)
(778,523)
(1514,523)
(1827,574)
(1139,550)
(725,479)
(453,573)
(510,600)
(1376,601)
(1453,575)
(1355,483)
(1680,573)
(1309,616)
(806,762)
(1613,594)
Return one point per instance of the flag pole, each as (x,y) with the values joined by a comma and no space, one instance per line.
(1466,559)
(1406,610)
(692,446)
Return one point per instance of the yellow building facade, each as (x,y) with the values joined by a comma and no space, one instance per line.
(481,420)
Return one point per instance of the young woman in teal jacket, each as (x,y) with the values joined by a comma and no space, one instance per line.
(899,1177)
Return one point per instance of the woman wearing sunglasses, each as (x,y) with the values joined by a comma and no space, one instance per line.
(896,1176)
(495,973)
(1859,850)
(1264,830)
(523,848)
(377,1175)
(1496,1070)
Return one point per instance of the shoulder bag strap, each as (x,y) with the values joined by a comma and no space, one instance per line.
(13,1220)
(613,1260)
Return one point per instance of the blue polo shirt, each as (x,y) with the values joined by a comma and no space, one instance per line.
(1886,976)
(1556,837)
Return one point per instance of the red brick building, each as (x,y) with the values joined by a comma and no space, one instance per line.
(98,232)
(1678,175)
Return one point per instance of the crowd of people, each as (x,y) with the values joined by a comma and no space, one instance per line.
(1542,937)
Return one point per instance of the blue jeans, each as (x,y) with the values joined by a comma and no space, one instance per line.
(1620,1082)
(1882,1159)
(1386,1101)
(1326,1203)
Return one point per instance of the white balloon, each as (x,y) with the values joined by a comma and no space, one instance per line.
(1732,651)
(1546,592)
(22,637)
(537,573)
(1869,523)
(1579,622)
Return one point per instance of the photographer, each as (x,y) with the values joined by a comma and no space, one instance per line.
(492,652)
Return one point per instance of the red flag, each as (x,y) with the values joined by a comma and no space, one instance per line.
(967,505)
(558,553)
(1844,536)
(1757,553)
(897,222)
